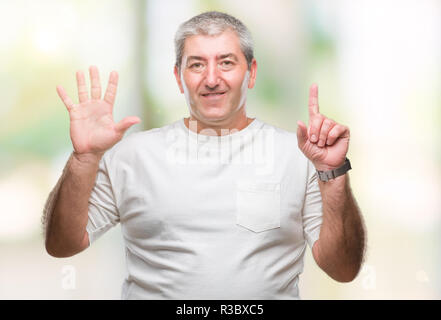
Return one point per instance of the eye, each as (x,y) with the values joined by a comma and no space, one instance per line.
(196,66)
(227,64)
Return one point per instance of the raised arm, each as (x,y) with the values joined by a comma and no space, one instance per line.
(339,251)
(92,131)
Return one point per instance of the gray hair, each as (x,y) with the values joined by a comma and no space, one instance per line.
(213,23)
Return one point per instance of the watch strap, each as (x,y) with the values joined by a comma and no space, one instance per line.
(332,174)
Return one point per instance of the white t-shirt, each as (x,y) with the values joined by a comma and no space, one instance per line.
(209,217)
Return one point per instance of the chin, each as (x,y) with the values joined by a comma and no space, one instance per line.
(213,114)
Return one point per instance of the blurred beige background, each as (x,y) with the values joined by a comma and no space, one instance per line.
(378,67)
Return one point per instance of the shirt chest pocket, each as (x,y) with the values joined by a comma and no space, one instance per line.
(258,205)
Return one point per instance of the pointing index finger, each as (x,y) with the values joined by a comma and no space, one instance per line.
(313,100)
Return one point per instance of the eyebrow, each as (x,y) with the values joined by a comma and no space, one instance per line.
(222,56)
(194,58)
(228,55)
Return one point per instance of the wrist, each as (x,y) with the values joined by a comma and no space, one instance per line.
(326,174)
(323,167)
(87,158)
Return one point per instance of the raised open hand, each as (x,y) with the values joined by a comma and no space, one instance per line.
(325,142)
(92,129)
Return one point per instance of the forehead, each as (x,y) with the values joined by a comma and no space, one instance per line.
(207,46)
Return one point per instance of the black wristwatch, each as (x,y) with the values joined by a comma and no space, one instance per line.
(332,174)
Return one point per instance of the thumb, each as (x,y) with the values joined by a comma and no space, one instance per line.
(126,123)
(302,134)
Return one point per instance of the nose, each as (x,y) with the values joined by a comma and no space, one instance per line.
(212,77)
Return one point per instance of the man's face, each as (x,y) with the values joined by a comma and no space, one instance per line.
(214,76)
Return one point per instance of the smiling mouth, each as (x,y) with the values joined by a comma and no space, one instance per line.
(214,94)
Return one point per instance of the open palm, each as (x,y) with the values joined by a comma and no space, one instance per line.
(92,129)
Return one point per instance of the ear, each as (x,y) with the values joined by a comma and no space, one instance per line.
(178,79)
(253,74)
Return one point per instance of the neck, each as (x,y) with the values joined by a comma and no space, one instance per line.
(218,128)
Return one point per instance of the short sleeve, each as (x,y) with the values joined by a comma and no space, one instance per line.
(103,212)
(312,208)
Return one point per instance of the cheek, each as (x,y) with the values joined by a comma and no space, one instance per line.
(191,82)
(236,81)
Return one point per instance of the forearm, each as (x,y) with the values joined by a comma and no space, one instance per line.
(66,211)
(340,248)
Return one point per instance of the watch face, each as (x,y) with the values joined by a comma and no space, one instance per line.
(322,176)
(332,174)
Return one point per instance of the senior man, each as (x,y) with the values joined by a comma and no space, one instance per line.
(216,205)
